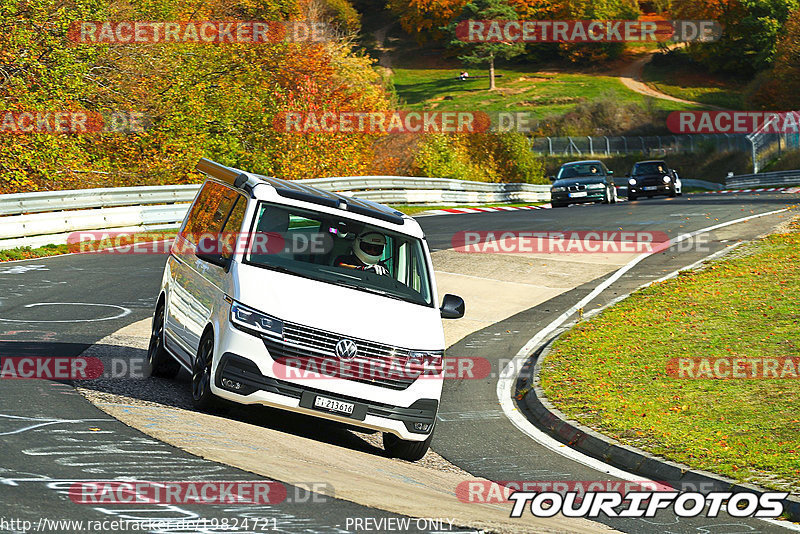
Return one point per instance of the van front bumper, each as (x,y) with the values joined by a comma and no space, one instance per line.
(239,379)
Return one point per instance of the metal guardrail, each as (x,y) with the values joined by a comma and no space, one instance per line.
(36,219)
(701,184)
(765,179)
(95,198)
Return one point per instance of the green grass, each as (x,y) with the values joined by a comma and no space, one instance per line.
(690,82)
(415,209)
(610,372)
(541,93)
(24,253)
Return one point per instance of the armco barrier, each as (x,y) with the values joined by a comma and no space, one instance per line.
(764,179)
(36,219)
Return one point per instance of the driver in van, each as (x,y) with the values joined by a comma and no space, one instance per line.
(367,252)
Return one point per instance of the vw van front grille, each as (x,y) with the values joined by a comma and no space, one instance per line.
(311,348)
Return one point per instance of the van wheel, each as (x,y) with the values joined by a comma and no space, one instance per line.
(159,362)
(406,449)
(202,397)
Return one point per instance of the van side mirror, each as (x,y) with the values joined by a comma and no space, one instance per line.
(452,307)
(208,250)
(551,178)
(610,171)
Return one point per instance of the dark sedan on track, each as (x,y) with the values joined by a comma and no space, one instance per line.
(650,178)
(583,181)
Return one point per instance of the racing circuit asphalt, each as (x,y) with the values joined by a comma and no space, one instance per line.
(52,435)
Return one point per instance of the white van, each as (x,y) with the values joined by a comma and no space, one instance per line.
(285,295)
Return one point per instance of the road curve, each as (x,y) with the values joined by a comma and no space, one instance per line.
(472,431)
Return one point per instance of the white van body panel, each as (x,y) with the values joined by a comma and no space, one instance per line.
(198,297)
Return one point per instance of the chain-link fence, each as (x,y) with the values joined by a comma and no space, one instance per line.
(656,145)
(766,147)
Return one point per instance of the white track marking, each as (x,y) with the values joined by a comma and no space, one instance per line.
(124,311)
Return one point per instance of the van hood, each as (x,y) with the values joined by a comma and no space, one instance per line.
(338,309)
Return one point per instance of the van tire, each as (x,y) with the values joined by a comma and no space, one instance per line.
(202,397)
(406,449)
(159,362)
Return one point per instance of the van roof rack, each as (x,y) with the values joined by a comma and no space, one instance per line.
(297,191)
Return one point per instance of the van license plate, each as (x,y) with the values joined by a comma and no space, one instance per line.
(334,405)
(650,188)
(578,194)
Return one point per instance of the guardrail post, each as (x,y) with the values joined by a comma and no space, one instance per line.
(625,140)
(753,154)
(608,146)
(691,143)
(591,146)
(644,150)
(550,146)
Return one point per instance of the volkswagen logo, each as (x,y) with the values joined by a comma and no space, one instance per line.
(346,349)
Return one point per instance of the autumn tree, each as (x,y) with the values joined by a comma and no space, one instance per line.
(485,53)
(423,19)
(216,101)
(752,29)
(779,88)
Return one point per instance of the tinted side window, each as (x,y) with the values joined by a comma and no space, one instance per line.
(233,226)
(210,211)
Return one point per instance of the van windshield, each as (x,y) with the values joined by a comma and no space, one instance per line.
(335,250)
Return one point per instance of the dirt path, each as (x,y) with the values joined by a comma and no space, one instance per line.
(631,77)
(385,60)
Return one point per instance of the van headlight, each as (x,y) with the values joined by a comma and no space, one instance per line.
(632,181)
(667,179)
(427,359)
(596,186)
(254,321)
(558,189)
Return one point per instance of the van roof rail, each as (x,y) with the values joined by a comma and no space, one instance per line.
(297,191)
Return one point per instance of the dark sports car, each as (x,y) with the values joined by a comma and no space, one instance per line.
(583,181)
(650,178)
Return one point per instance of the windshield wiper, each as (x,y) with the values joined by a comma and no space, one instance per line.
(376,291)
(282,269)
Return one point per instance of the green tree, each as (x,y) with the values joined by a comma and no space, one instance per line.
(752,29)
(485,53)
